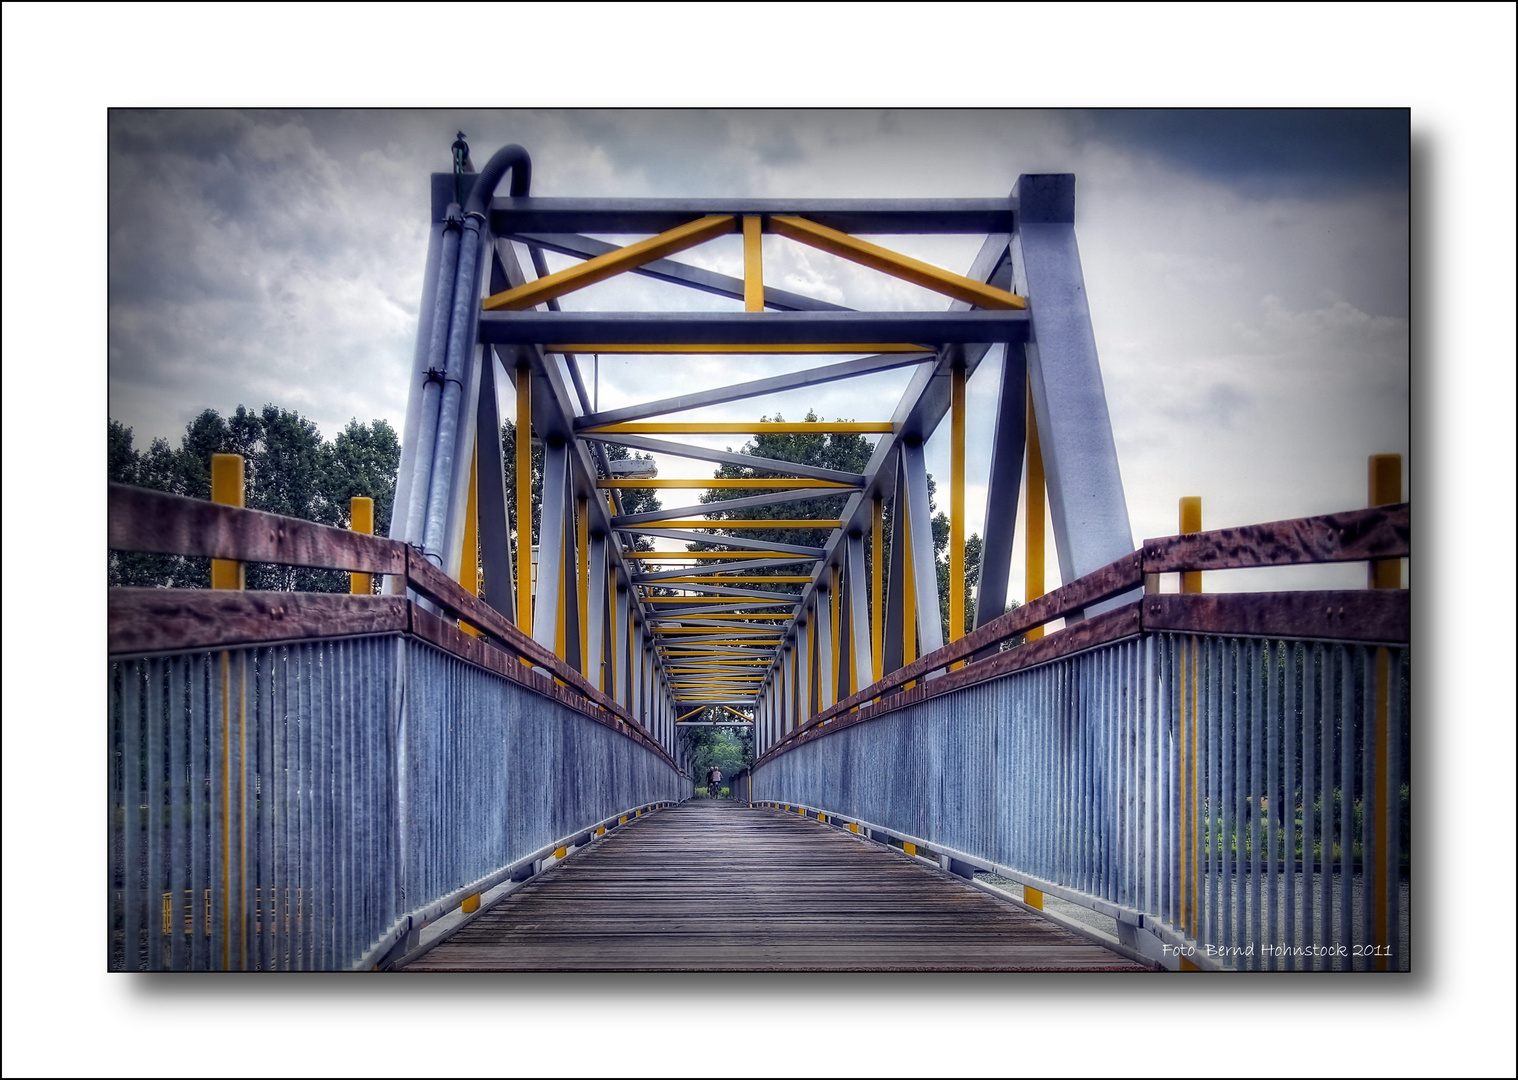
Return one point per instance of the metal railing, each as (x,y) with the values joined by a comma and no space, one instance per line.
(1224,776)
(291,792)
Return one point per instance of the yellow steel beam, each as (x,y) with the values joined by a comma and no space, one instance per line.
(609,265)
(693,712)
(957,508)
(737,348)
(697,482)
(753,264)
(707,599)
(715,615)
(681,556)
(877,584)
(361,520)
(800,427)
(469,561)
(896,264)
(738,714)
(1033,518)
(797,579)
(524,499)
(746,523)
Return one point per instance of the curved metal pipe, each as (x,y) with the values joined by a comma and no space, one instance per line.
(461,333)
(436,357)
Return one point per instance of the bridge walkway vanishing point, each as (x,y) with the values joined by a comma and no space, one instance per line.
(722,886)
(317,781)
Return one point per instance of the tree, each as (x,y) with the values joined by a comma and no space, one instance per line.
(730,749)
(843,452)
(289,470)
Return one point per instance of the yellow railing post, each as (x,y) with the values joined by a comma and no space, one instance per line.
(227,488)
(957,510)
(1385,488)
(1191,582)
(361,520)
(1033,518)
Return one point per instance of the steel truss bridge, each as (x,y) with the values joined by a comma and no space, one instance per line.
(1188,779)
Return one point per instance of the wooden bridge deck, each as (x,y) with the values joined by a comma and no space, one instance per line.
(721,886)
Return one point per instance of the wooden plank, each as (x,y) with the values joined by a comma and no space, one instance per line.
(709,886)
(1355,615)
(1381,532)
(142,520)
(179,620)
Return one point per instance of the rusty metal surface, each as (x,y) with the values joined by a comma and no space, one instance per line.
(1381,532)
(140,621)
(142,520)
(1359,615)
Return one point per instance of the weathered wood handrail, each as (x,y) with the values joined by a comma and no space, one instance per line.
(1380,532)
(144,621)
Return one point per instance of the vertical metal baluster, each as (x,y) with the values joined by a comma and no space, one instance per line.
(1272,651)
(1215,850)
(1227,754)
(1370,833)
(1257,666)
(1311,663)
(1289,794)
(1346,803)
(1393,816)
(1328,710)
(155,883)
(179,834)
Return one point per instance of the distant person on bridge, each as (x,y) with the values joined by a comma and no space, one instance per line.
(714,783)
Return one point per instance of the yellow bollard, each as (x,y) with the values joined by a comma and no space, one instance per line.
(361,520)
(1191,582)
(471,904)
(1033,898)
(227,488)
(1385,489)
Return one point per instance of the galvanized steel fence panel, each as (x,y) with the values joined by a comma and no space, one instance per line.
(1249,794)
(284,807)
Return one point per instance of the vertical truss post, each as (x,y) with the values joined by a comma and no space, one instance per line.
(469,557)
(545,624)
(1002,488)
(863,636)
(1382,836)
(229,489)
(924,566)
(1086,500)
(1033,530)
(524,496)
(957,505)
(582,585)
(877,590)
(595,633)
(620,623)
(837,678)
(753,264)
(804,673)
(494,523)
(900,646)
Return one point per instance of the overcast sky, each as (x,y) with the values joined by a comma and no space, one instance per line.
(1247,270)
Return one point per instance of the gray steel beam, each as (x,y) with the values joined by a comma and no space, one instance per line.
(924,563)
(859,613)
(1002,488)
(726,457)
(827,678)
(545,605)
(598,600)
(847,369)
(664,615)
(494,523)
(777,498)
(894,654)
(620,649)
(717,591)
(1086,499)
(628,216)
(590,329)
(676,273)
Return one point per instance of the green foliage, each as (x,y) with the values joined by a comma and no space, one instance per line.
(729,749)
(290,470)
